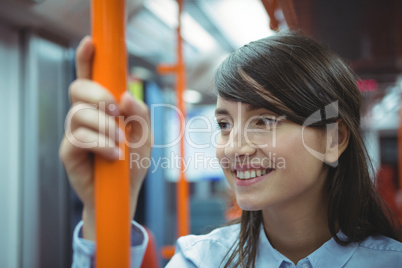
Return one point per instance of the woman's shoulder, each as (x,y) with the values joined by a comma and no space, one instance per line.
(377,251)
(207,250)
(223,237)
(381,243)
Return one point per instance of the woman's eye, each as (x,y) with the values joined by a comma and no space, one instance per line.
(265,121)
(223,126)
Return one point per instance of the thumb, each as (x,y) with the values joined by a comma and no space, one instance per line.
(84,58)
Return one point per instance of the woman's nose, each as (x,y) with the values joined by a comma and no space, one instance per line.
(239,144)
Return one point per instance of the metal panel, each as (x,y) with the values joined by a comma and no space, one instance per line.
(46,236)
(10,175)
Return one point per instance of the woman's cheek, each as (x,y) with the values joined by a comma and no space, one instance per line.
(261,139)
(220,152)
(220,144)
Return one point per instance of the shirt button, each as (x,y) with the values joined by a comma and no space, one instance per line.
(306,265)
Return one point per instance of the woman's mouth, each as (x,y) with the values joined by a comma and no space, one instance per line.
(251,173)
(251,176)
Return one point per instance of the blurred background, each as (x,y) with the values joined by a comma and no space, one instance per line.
(38,210)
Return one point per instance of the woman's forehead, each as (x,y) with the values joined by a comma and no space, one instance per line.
(224,106)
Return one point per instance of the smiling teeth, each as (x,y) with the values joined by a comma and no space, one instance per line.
(249,174)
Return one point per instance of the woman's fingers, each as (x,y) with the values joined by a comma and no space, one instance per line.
(133,106)
(88,116)
(84,57)
(87,91)
(87,140)
(91,124)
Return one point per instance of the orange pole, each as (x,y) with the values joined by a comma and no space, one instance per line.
(271,6)
(183,219)
(182,188)
(112,204)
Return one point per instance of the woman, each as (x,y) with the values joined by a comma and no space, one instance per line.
(291,149)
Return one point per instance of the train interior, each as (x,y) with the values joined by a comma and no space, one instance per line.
(38,38)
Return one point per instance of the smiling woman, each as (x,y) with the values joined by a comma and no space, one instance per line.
(251,153)
(291,149)
(325,190)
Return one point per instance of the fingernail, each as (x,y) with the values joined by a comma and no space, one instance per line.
(87,37)
(129,93)
(113,109)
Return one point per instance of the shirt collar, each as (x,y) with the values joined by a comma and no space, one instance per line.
(330,254)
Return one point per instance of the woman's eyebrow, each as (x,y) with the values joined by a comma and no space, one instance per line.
(220,111)
(251,108)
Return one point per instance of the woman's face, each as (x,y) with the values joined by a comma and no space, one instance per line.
(264,157)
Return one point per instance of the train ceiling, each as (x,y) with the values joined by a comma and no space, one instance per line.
(367,33)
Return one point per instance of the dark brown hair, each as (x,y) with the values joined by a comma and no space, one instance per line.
(292,75)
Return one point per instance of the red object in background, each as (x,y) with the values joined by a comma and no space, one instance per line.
(150,258)
(233,210)
(386,185)
(367,85)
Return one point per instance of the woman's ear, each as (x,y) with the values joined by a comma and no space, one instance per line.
(337,142)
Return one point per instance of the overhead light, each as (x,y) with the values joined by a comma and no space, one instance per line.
(240,21)
(192,32)
(196,35)
(192,96)
(166,10)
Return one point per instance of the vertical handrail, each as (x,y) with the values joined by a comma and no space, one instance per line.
(112,202)
(182,187)
(289,12)
(271,6)
(183,218)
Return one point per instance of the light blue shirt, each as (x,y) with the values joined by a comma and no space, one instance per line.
(209,250)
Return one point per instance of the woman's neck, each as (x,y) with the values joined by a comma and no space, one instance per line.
(299,229)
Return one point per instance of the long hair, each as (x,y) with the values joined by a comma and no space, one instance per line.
(292,75)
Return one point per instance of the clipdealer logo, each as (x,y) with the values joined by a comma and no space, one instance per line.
(331,112)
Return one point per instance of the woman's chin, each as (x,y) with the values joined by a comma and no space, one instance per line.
(249,206)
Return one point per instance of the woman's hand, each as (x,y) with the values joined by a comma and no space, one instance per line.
(92,119)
